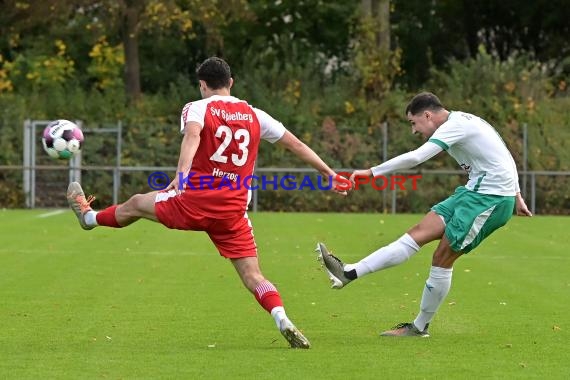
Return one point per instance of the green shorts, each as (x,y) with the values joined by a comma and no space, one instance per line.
(470,217)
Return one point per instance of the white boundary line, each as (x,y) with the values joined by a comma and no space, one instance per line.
(51,213)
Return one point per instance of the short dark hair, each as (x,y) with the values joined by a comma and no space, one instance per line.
(215,72)
(424,101)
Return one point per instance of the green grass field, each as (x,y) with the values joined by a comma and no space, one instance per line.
(147,302)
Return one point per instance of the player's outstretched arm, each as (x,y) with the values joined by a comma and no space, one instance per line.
(404,161)
(520,206)
(301,150)
(188,147)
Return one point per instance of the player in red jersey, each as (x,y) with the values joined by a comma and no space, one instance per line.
(211,189)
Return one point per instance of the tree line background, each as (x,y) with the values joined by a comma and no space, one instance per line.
(332,71)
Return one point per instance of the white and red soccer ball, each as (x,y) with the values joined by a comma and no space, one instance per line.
(62,139)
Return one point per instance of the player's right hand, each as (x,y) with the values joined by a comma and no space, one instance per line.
(359,174)
(341,185)
(521,207)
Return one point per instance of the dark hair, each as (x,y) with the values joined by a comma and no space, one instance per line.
(424,101)
(215,72)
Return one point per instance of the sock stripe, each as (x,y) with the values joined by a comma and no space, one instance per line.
(267,296)
(264,287)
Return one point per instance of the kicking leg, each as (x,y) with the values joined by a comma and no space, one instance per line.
(430,228)
(269,298)
(138,206)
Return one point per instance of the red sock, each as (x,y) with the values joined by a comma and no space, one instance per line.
(107,218)
(267,295)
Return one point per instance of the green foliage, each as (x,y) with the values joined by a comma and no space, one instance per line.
(39,71)
(314,27)
(509,94)
(430,33)
(377,68)
(326,111)
(106,65)
(549,135)
(11,149)
(313,65)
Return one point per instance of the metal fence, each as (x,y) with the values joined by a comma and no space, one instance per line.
(34,165)
(389,196)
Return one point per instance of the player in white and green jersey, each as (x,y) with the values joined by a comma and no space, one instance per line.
(460,222)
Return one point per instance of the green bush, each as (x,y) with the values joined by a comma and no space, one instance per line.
(326,111)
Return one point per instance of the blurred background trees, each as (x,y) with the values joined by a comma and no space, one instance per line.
(154,42)
(332,71)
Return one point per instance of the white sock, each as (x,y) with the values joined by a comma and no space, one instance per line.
(90,218)
(278,314)
(393,254)
(435,291)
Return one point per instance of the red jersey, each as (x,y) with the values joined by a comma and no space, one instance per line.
(220,177)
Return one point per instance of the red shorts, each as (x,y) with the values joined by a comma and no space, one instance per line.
(232,236)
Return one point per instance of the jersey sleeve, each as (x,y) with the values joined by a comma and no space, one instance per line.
(193,111)
(448,134)
(270,129)
(407,160)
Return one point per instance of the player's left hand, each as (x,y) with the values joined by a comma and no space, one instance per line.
(175,185)
(520,206)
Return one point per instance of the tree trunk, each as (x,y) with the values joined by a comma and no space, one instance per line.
(470,9)
(366,7)
(383,17)
(379,10)
(131,47)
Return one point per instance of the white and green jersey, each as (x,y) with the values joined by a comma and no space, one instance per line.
(475,145)
(480,151)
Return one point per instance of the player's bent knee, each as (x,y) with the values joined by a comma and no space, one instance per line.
(133,204)
(134,207)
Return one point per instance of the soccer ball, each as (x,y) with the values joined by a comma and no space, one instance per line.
(62,139)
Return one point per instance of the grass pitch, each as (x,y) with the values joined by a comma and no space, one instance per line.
(149,303)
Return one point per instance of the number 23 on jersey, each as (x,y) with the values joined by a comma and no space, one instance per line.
(241,136)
